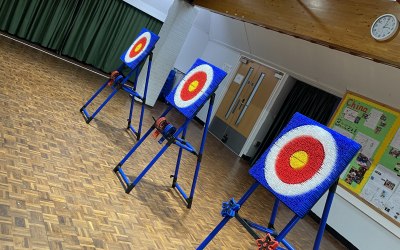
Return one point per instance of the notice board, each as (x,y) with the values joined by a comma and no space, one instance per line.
(374,173)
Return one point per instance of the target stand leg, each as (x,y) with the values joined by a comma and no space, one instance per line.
(146,86)
(83,110)
(232,211)
(103,104)
(199,156)
(130,127)
(187,146)
(150,165)
(126,183)
(325,214)
(228,217)
(279,237)
(175,175)
(134,94)
(128,186)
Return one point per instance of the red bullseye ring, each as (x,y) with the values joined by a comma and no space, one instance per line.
(311,148)
(289,176)
(138,47)
(193,85)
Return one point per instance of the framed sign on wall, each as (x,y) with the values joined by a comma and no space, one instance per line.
(373,175)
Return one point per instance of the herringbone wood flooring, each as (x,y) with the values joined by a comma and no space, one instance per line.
(57,188)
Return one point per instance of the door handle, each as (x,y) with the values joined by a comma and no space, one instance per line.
(241,104)
(253,92)
(224,138)
(235,106)
(235,100)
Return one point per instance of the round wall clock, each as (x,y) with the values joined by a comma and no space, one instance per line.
(384,27)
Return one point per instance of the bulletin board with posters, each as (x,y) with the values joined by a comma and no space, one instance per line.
(374,174)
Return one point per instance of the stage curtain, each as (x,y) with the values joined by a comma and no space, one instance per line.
(305,99)
(42,22)
(91,31)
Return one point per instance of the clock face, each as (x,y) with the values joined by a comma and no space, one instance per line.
(384,27)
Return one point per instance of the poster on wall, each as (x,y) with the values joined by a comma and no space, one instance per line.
(374,174)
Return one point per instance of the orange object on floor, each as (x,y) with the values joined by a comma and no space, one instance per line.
(267,243)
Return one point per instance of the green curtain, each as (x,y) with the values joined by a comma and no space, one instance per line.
(42,22)
(91,31)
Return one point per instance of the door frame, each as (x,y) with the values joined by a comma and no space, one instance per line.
(265,111)
(219,99)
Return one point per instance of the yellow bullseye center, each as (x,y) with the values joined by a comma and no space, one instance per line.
(298,160)
(193,85)
(138,47)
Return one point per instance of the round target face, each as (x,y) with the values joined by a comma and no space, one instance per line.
(193,85)
(138,47)
(300,160)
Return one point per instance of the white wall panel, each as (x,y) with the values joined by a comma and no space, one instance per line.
(155,8)
(172,37)
(203,20)
(326,68)
(227,60)
(196,41)
(229,31)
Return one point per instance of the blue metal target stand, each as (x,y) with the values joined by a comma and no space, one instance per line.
(133,58)
(337,152)
(188,97)
(273,237)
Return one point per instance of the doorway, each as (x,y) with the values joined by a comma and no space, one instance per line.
(245,99)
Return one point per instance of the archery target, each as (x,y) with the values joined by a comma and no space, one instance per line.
(138,47)
(193,85)
(199,83)
(304,160)
(298,162)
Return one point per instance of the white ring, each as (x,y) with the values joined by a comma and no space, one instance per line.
(129,59)
(210,75)
(330,150)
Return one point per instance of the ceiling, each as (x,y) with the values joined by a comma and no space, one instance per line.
(341,25)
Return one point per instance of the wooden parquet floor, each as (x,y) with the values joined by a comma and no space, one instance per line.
(57,188)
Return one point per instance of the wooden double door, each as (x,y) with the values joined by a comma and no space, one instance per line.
(243,103)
